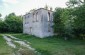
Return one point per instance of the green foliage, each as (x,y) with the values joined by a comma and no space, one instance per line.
(70,21)
(67,20)
(54,45)
(78,14)
(58,25)
(72,3)
(3,26)
(79,21)
(4,48)
(75,3)
(12,23)
(63,22)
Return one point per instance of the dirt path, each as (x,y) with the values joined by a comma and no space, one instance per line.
(20,47)
(9,41)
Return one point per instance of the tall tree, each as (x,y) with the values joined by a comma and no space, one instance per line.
(75,3)
(67,20)
(58,25)
(79,19)
(14,23)
(3,27)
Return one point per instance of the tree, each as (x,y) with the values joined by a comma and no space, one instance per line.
(3,27)
(79,21)
(75,3)
(67,20)
(72,3)
(14,23)
(58,25)
(63,22)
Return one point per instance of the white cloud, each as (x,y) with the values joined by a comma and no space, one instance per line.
(5,5)
(10,1)
(23,6)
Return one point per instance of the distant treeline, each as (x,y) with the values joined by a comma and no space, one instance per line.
(11,23)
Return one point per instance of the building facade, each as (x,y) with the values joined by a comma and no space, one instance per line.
(38,22)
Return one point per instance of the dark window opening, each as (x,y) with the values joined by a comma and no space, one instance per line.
(49,28)
(48,16)
(37,17)
(33,17)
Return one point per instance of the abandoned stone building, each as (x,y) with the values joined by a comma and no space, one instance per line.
(38,22)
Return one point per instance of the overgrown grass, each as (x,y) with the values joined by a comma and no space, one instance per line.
(47,46)
(19,50)
(54,45)
(4,48)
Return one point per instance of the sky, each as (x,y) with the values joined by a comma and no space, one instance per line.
(20,7)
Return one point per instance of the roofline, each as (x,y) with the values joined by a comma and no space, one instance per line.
(38,9)
(44,9)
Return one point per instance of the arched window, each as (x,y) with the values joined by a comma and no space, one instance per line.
(25,20)
(37,17)
(33,17)
(48,16)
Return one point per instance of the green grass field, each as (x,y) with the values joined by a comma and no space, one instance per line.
(4,48)
(48,46)
(55,46)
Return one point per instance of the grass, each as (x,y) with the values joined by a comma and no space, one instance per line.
(55,46)
(7,50)
(4,48)
(47,46)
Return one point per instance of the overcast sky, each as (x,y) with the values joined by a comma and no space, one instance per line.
(20,7)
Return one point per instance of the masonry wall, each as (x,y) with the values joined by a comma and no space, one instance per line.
(47,28)
(39,27)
